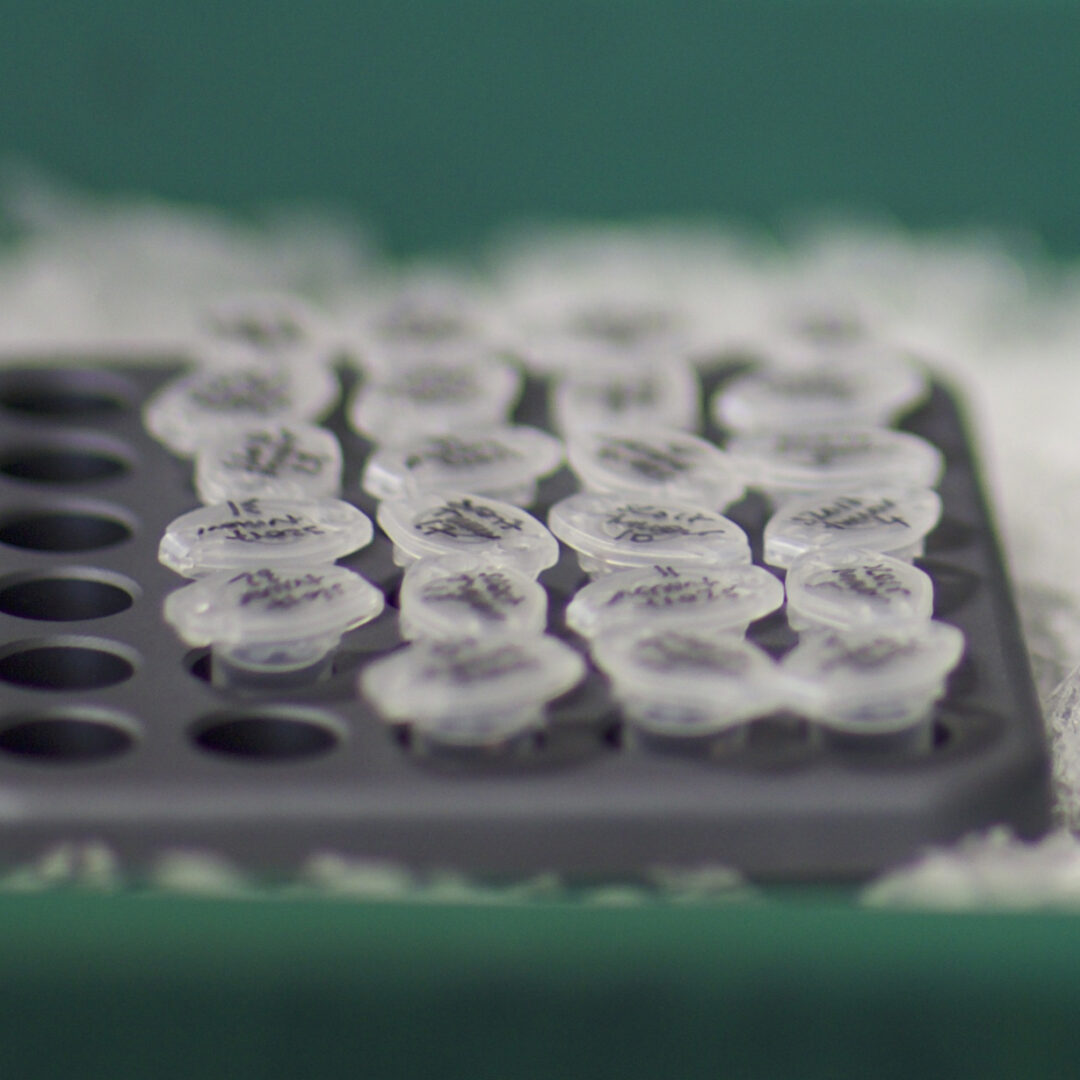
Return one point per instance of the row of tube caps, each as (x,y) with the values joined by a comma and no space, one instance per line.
(674,589)
(420,388)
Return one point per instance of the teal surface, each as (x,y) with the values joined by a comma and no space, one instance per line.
(438,120)
(144,987)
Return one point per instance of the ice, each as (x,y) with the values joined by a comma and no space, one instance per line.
(136,271)
(989,870)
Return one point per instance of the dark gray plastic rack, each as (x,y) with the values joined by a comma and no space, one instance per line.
(110,731)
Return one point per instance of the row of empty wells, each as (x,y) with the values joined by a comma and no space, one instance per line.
(58,443)
(52,391)
(63,437)
(64,440)
(583,726)
(283,734)
(57,439)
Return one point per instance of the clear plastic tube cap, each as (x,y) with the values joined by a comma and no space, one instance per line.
(619,532)
(723,597)
(626,395)
(566,351)
(500,462)
(654,462)
(687,681)
(194,408)
(853,392)
(848,588)
(873,680)
(270,461)
(434,391)
(426,310)
(263,532)
(799,462)
(279,619)
(464,596)
(623,319)
(452,523)
(271,325)
(472,691)
(890,520)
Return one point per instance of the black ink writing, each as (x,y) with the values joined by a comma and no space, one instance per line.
(458,453)
(851,512)
(257,529)
(243,391)
(637,524)
(415,319)
(464,519)
(265,332)
(674,652)
(465,663)
(869,656)
(671,593)
(266,454)
(822,449)
(648,460)
(434,385)
(278,593)
(619,395)
(813,384)
(621,327)
(489,594)
(874,582)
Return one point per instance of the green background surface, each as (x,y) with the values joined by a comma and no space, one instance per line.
(437,122)
(186,989)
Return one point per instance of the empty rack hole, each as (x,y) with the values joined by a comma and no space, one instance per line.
(953,585)
(949,535)
(61,394)
(62,530)
(66,596)
(198,663)
(61,464)
(66,738)
(268,735)
(66,664)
